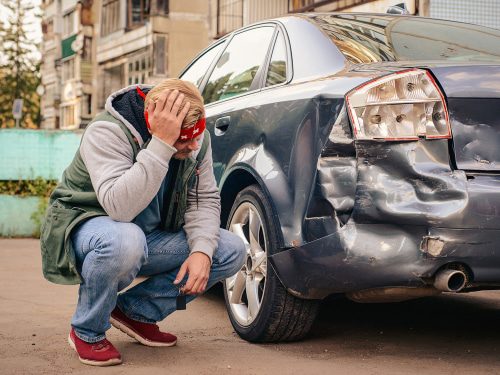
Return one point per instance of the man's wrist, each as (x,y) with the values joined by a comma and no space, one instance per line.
(161,149)
(193,252)
(168,140)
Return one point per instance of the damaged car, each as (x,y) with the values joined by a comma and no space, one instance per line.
(356,154)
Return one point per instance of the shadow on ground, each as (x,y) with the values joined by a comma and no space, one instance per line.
(460,328)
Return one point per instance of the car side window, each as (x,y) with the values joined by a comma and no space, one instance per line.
(277,66)
(197,70)
(238,65)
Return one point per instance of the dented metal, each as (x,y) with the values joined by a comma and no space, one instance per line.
(360,215)
(369,218)
(400,212)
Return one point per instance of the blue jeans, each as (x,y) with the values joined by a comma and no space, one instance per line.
(110,254)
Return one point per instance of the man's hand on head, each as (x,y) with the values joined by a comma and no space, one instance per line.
(197,266)
(166,116)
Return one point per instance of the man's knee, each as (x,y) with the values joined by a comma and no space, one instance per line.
(133,248)
(127,245)
(231,250)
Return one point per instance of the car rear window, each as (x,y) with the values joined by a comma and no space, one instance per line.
(374,38)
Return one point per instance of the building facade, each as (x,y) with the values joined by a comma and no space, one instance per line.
(479,12)
(232,14)
(66,64)
(94,47)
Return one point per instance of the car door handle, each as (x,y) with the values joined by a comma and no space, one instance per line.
(221,125)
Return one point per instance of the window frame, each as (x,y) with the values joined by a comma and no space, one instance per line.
(86,54)
(212,64)
(71,60)
(256,85)
(155,10)
(65,114)
(106,26)
(69,15)
(289,61)
(134,74)
(144,14)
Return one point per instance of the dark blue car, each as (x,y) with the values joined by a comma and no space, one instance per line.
(356,154)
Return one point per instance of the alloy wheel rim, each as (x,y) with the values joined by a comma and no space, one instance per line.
(245,290)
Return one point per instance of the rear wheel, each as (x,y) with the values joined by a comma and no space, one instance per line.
(259,307)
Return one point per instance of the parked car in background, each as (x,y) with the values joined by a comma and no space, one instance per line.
(356,154)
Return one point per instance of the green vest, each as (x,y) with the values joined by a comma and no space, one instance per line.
(74,201)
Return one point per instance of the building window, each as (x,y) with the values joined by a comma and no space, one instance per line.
(111,80)
(297,5)
(110,21)
(139,68)
(160,48)
(161,7)
(69,24)
(137,12)
(68,69)
(229,17)
(68,116)
(87,48)
(87,105)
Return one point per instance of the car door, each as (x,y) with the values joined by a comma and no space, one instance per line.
(230,92)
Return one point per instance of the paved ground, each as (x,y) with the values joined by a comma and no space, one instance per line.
(440,335)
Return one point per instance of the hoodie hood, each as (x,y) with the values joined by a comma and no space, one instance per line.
(128,106)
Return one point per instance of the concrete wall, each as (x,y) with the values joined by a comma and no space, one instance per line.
(20,216)
(28,154)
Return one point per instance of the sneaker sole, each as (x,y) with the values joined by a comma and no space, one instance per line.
(130,332)
(109,362)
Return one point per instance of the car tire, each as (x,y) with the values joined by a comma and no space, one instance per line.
(281,316)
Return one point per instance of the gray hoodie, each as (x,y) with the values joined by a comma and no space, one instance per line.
(125,189)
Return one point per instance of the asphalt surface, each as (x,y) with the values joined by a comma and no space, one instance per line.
(453,334)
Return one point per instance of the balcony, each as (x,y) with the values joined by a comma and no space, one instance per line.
(233,14)
(86,71)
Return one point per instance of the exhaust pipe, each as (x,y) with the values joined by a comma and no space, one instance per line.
(450,281)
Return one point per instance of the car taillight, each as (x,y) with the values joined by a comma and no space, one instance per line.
(401,106)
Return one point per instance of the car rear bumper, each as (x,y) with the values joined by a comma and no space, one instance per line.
(366,256)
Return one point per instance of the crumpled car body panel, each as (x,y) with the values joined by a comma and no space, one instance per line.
(363,214)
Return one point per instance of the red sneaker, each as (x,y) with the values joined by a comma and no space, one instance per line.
(101,353)
(146,333)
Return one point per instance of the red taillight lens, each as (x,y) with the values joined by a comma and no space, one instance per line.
(401,106)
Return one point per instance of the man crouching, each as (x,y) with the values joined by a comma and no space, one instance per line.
(139,199)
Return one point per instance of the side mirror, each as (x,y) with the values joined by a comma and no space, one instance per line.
(398,9)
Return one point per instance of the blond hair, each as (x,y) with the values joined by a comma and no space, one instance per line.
(196,110)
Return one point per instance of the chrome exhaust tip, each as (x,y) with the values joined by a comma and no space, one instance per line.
(450,281)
